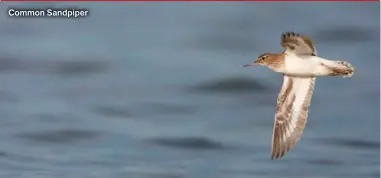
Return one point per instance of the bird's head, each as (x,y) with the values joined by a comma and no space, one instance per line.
(264,59)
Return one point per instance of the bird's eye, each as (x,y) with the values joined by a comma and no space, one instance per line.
(263,58)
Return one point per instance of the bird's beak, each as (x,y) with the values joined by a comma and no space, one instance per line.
(250,64)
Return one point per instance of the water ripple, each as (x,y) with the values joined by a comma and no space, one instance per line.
(61,136)
(189,143)
(63,68)
(231,85)
(357,144)
(348,34)
(112,111)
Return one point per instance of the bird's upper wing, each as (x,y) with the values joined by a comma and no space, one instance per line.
(291,113)
(298,44)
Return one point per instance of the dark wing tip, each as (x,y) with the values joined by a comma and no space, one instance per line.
(276,156)
(289,35)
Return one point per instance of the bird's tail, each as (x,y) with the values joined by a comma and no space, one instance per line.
(337,68)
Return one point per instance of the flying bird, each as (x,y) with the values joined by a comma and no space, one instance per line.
(300,66)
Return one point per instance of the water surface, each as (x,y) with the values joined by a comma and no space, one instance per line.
(156,90)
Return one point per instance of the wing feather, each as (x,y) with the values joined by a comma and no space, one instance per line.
(291,113)
(298,44)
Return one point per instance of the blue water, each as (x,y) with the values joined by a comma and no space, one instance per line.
(156,90)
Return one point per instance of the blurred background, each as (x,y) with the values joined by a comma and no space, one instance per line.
(156,90)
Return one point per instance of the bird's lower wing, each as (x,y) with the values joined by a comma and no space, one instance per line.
(291,113)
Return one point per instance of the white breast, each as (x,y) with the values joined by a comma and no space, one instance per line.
(295,65)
